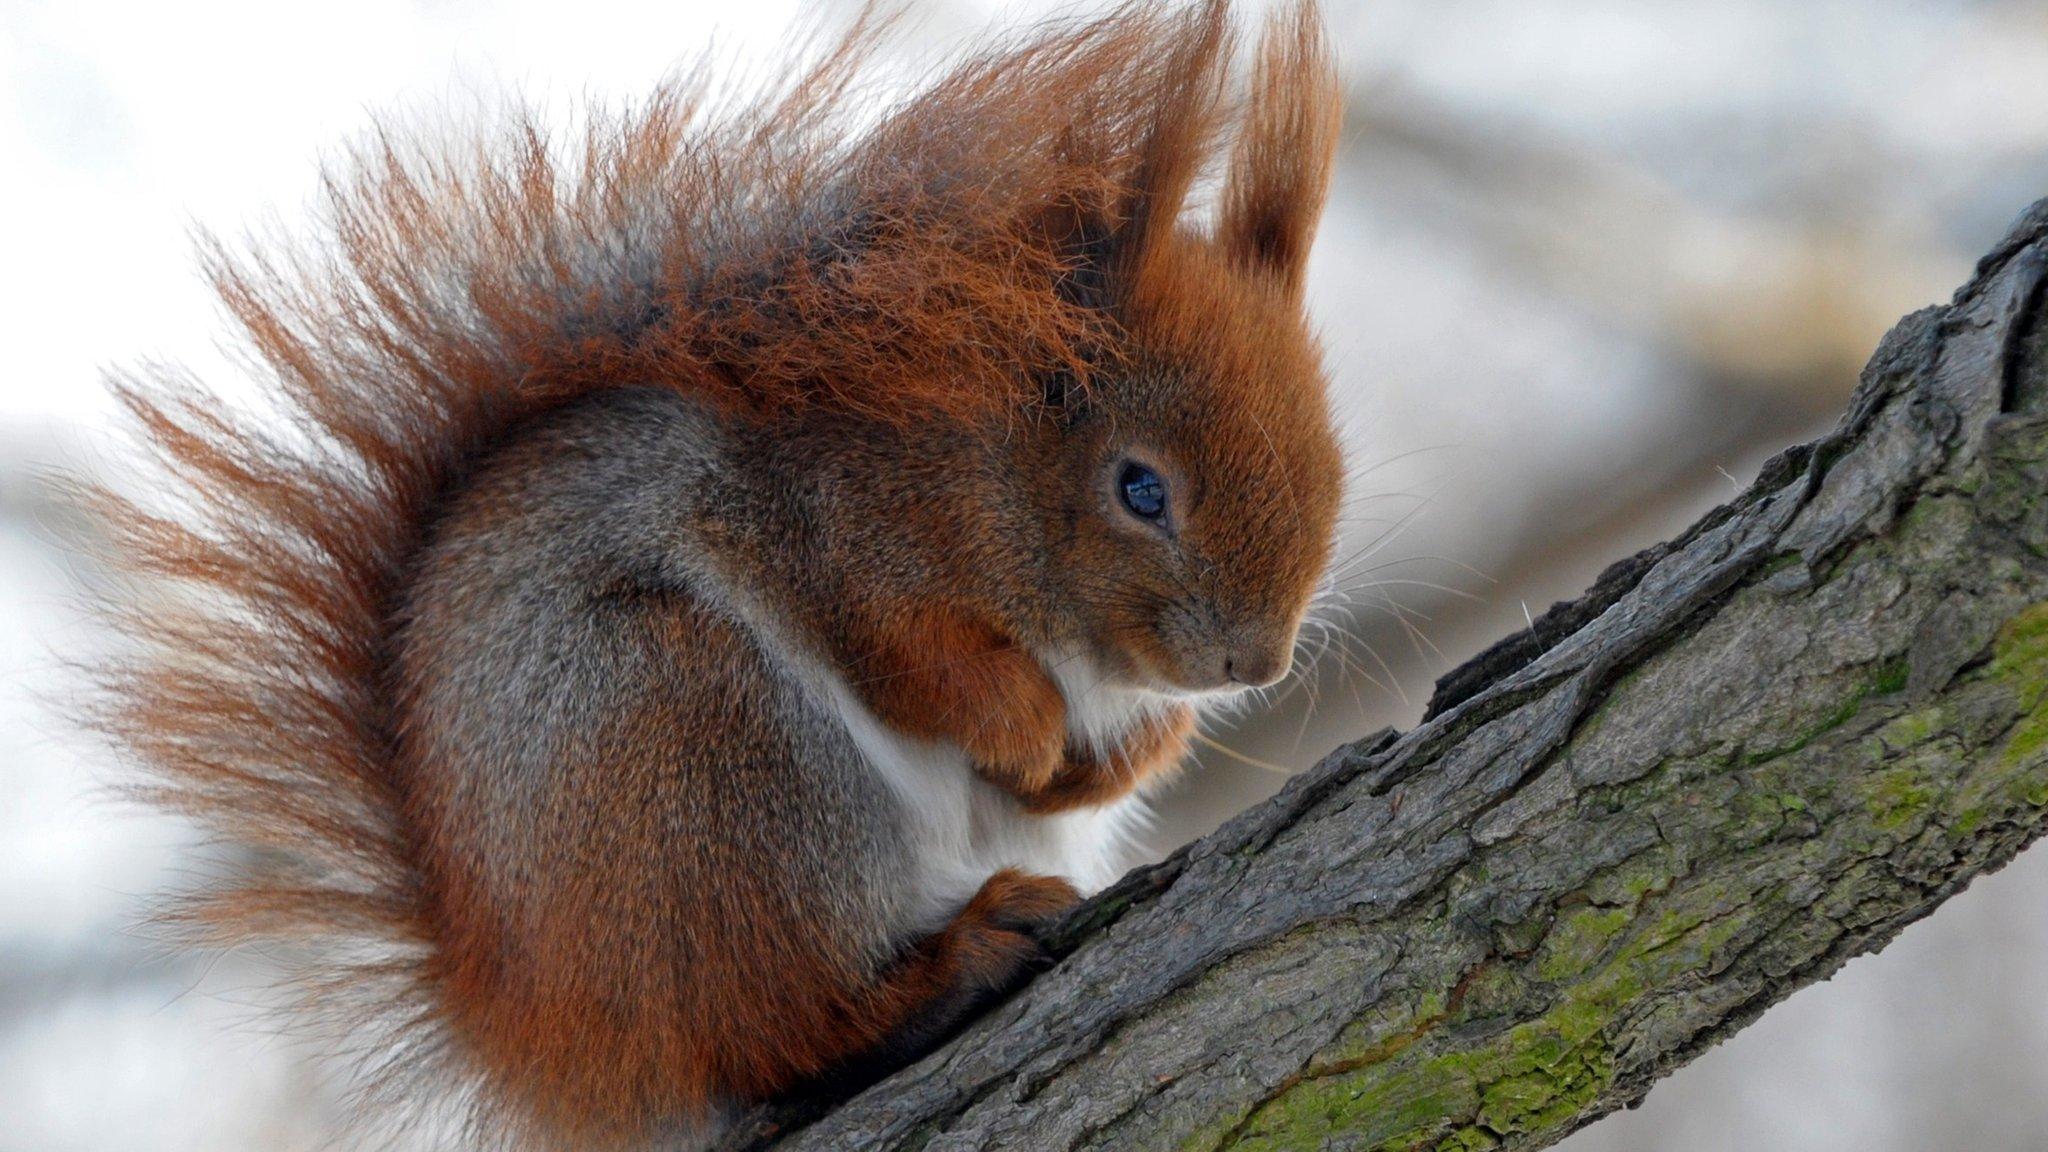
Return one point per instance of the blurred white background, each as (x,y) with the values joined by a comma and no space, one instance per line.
(1588,264)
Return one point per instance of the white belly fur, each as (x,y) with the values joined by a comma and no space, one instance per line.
(961,829)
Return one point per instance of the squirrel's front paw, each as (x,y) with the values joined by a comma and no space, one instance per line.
(1019,742)
(1023,771)
(942,676)
(1086,779)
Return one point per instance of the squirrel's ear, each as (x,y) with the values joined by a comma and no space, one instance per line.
(1105,242)
(1280,167)
(1182,132)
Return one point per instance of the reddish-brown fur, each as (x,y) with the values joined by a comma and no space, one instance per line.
(466,295)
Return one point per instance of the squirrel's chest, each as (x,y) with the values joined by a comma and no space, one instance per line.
(958,829)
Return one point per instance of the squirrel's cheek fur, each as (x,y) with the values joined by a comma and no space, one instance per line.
(628,688)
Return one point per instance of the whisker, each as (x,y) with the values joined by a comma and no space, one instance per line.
(1240,757)
(1406,582)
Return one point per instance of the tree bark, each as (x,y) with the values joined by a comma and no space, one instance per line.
(1742,758)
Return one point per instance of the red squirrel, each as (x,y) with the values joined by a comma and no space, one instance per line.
(720,584)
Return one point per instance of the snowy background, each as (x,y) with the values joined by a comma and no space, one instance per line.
(1588,264)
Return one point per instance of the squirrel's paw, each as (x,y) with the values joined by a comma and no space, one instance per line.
(1085,779)
(987,950)
(1020,744)
(994,939)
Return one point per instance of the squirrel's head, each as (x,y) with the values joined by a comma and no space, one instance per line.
(1199,467)
(1005,264)
(1201,477)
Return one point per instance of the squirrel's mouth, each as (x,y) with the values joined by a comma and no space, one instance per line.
(1158,679)
(1220,669)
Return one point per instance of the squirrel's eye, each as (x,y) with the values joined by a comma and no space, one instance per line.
(1142,491)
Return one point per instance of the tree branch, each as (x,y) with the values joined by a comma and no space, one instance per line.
(1743,758)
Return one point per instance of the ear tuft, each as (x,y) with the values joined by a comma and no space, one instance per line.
(1189,82)
(1280,167)
(1150,143)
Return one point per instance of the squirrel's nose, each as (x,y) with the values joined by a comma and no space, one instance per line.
(1257,666)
